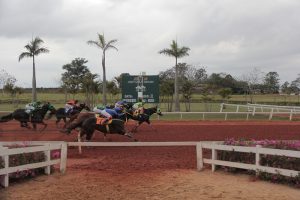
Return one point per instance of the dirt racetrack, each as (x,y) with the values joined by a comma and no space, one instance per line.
(150,172)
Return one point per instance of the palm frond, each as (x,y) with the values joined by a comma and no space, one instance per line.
(41,50)
(29,48)
(168,52)
(91,42)
(101,40)
(110,46)
(24,54)
(183,51)
(36,43)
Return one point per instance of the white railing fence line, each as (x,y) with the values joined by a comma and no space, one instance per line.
(215,146)
(41,147)
(259,109)
(258,150)
(205,115)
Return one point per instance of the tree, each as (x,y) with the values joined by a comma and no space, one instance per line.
(33,49)
(75,74)
(176,52)
(187,90)
(90,86)
(271,82)
(102,44)
(225,93)
(113,88)
(295,85)
(12,89)
(5,78)
(253,80)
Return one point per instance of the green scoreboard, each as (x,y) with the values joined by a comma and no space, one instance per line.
(142,86)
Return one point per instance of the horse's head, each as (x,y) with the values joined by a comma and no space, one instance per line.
(49,107)
(158,111)
(128,106)
(84,106)
(152,110)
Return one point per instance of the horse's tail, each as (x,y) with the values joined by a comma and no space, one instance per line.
(6,118)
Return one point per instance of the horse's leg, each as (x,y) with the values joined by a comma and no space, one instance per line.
(26,125)
(153,129)
(45,126)
(104,137)
(34,126)
(130,136)
(57,121)
(136,126)
(65,120)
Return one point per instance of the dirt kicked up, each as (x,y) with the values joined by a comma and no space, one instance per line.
(150,172)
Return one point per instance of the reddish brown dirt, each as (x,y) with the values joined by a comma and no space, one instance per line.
(149,172)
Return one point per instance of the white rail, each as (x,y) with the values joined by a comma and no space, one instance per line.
(214,146)
(5,152)
(263,109)
(258,150)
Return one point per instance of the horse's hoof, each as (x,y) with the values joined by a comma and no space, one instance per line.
(65,131)
(128,134)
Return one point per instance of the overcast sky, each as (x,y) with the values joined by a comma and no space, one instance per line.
(231,36)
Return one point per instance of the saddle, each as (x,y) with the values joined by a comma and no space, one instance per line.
(102,121)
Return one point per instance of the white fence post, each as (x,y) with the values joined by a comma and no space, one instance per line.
(48,158)
(237,108)
(214,156)
(199,156)
(291,115)
(221,108)
(253,111)
(63,157)
(5,179)
(257,158)
(271,114)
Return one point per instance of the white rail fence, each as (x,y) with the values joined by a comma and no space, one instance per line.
(258,150)
(262,109)
(200,146)
(214,146)
(6,152)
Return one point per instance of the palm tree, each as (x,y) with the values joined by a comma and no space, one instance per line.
(101,43)
(176,52)
(33,49)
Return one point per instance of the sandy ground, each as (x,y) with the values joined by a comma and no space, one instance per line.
(163,184)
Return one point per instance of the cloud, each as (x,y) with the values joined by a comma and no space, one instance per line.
(223,35)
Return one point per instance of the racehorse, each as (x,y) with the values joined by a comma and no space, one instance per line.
(145,117)
(61,114)
(37,117)
(116,126)
(81,117)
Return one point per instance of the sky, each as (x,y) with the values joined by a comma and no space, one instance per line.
(230,36)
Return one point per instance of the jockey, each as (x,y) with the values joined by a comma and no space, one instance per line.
(33,106)
(70,106)
(101,110)
(138,107)
(120,105)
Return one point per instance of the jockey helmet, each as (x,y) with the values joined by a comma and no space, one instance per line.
(101,107)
